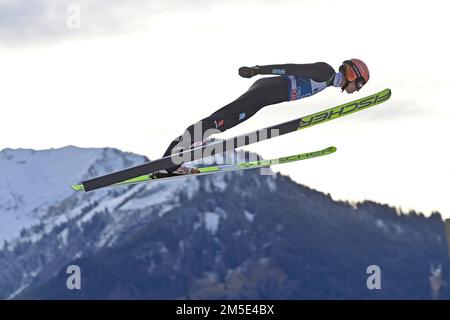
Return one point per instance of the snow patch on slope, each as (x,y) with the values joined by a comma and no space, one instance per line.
(211,219)
(34,179)
(64,236)
(380,224)
(160,194)
(212,222)
(10,226)
(249,216)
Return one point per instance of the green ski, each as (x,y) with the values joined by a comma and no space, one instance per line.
(226,168)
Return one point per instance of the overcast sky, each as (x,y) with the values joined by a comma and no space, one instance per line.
(136,73)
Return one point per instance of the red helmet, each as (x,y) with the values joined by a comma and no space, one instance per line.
(357,71)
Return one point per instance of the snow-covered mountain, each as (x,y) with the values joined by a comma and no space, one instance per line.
(233,235)
(38,206)
(32,181)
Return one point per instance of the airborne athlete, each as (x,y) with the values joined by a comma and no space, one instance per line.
(148,171)
(293,82)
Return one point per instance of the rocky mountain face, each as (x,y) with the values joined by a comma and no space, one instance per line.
(227,236)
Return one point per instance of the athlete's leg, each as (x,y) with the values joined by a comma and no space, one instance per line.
(263,92)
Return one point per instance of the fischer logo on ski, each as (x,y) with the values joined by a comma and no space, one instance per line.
(345,109)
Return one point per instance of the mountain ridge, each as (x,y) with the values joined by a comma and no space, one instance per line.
(232,236)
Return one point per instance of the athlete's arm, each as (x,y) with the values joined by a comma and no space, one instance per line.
(319,71)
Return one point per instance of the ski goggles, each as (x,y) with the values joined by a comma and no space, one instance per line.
(355,75)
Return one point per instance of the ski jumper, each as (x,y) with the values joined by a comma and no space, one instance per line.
(293,81)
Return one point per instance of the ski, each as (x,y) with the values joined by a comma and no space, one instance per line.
(225,168)
(238,141)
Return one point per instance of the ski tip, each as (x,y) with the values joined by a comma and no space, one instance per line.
(331,149)
(78,187)
(328,150)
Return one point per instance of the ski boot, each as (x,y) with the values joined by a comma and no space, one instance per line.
(182,170)
(202,143)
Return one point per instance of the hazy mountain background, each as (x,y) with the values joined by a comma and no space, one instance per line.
(226,236)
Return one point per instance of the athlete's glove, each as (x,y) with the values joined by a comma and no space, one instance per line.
(248,72)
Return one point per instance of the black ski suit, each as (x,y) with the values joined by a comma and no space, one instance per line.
(293,81)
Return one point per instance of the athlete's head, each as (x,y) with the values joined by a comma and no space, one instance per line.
(356,74)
